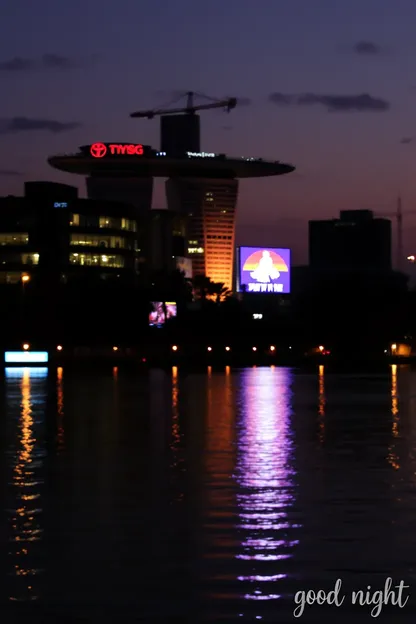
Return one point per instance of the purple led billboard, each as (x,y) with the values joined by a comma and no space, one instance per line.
(264,270)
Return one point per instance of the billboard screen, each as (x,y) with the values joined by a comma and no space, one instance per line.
(161,312)
(264,270)
(185,265)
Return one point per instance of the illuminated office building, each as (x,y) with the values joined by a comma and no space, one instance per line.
(201,185)
(210,205)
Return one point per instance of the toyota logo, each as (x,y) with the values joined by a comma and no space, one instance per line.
(98,150)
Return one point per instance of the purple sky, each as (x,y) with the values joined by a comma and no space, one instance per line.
(92,62)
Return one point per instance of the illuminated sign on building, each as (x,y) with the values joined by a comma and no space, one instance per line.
(60,205)
(200,155)
(264,270)
(99,150)
(26,357)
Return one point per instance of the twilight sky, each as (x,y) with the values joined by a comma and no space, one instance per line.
(331,86)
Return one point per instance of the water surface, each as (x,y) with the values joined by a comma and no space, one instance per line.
(210,497)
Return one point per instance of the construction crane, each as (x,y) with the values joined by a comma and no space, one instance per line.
(398,214)
(190,108)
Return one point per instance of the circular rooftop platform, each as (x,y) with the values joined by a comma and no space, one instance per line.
(163,166)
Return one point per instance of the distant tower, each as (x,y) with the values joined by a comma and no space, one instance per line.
(180,134)
(211,208)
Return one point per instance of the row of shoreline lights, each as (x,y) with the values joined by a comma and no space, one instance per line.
(26,347)
(272,348)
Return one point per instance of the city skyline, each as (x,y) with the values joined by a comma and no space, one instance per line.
(339,107)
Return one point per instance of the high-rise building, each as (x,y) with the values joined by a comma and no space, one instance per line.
(166,240)
(202,186)
(210,205)
(355,241)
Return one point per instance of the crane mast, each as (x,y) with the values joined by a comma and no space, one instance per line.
(180,127)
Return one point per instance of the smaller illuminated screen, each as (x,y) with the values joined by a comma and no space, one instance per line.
(26,357)
(161,312)
(171,310)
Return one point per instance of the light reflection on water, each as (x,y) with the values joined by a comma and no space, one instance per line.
(25,393)
(213,495)
(265,474)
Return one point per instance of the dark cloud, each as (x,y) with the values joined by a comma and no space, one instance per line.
(10,172)
(17,64)
(47,61)
(55,61)
(333,103)
(367,48)
(406,140)
(24,124)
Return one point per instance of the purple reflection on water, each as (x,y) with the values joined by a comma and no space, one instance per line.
(265,474)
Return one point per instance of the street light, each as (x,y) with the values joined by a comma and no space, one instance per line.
(25,278)
(411,258)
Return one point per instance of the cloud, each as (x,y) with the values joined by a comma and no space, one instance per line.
(16,64)
(55,61)
(406,140)
(47,61)
(24,124)
(333,103)
(10,172)
(367,48)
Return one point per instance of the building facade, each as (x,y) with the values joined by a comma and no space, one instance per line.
(50,232)
(210,205)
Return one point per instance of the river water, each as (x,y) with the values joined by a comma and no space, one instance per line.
(173,496)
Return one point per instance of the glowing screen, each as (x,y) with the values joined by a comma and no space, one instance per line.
(264,270)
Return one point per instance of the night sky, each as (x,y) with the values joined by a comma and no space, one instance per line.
(327,85)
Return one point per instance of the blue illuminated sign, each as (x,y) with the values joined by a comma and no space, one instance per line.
(60,205)
(26,357)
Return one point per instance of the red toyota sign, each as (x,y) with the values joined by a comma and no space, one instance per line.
(99,150)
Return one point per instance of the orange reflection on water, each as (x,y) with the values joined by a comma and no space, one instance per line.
(219,447)
(265,475)
(175,412)
(60,438)
(321,403)
(392,456)
(26,530)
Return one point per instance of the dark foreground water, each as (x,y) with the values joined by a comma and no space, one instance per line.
(214,497)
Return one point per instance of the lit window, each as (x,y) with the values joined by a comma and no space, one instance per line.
(30,258)
(74,219)
(91,240)
(195,250)
(18,238)
(110,261)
